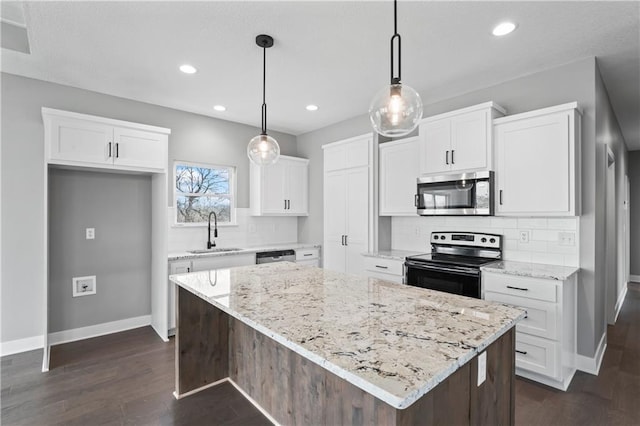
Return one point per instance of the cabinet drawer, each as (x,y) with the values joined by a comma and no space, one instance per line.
(531,288)
(541,319)
(386,266)
(399,279)
(307,254)
(537,355)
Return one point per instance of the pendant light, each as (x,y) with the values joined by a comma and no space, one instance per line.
(396,109)
(263,149)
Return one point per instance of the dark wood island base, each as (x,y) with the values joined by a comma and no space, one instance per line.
(212,346)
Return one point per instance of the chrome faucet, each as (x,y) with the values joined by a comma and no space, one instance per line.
(215,230)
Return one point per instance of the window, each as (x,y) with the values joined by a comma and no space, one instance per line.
(201,189)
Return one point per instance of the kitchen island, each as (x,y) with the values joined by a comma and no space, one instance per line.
(311,346)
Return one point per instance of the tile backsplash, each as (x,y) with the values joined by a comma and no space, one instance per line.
(250,231)
(552,240)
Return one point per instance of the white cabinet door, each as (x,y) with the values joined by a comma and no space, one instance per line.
(139,149)
(297,184)
(335,220)
(82,141)
(272,186)
(536,165)
(357,215)
(399,168)
(435,146)
(470,145)
(353,153)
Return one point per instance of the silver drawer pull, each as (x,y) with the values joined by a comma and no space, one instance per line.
(521,352)
(382,267)
(517,288)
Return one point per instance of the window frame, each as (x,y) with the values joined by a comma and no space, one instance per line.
(232,170)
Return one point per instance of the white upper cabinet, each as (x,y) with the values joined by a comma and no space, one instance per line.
(356,153)
(280,189)
(537,156)
(81,140)
(459,140)
(399,169)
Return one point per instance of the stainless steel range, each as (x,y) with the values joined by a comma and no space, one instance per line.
(453,266)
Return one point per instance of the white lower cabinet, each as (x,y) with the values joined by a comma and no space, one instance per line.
(201,264)
(546,337)
(384,269)
(309,256)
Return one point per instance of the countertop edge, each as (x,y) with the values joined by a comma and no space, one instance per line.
(294,246)
(387,397)
(527,269)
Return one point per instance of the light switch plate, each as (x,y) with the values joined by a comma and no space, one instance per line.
(482,368)
(524,236)
(90,233)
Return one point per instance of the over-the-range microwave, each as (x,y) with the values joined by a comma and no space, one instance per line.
(456,194)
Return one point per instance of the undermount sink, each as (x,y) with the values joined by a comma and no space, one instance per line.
(213,250)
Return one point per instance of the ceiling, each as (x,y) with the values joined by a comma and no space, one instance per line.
(332,54)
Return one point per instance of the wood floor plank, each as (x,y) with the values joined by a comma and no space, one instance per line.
(128,379)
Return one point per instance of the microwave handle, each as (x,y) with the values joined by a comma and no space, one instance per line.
(415,200)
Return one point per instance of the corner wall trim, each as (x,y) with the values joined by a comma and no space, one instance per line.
(21,345)
(634,278)
(72,335)
(592,365)
(619,303)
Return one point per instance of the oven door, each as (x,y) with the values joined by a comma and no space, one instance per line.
(450,279)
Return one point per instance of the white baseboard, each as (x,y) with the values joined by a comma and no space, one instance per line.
(21,345)
(66,336)
(619,303)
(592,365)
(634,278)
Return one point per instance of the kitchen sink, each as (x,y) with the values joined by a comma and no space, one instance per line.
(213,250)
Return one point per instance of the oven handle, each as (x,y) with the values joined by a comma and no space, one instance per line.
(466,271)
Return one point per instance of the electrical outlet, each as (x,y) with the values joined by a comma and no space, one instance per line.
(524,236)
(567,238)
(84,286)
(482,368)
(90,233)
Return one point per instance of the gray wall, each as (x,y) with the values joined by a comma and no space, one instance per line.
(634,205)
(194,138)
(568,83)
(118,206)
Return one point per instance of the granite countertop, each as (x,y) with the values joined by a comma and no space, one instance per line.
(183,255)
(391,254)
(393,341)
(532,270)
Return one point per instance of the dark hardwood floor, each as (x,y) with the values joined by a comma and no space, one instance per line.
(128,379)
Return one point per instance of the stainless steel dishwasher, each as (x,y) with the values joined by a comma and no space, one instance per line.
(275,256)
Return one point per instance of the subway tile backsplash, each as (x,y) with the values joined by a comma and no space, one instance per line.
(544,245)
(251,231)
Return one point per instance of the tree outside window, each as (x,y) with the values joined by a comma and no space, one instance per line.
(201,189)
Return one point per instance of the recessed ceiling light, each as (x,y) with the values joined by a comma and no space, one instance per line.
(312,107)
(504,28)
(188,69)
(220,108)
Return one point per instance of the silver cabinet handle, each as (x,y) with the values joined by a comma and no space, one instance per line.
(517,288)
(446,157)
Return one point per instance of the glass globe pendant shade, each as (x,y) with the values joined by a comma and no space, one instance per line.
(263,150)
(395,110)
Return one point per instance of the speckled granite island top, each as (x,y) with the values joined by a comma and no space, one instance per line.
(392,341)
(531,270)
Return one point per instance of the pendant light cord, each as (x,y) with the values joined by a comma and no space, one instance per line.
(394,79)
(264,85)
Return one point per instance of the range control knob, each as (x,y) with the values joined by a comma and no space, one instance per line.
(492,240)
(484,240)
(435,237)
(442,237)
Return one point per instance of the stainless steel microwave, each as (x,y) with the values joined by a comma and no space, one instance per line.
(456,194)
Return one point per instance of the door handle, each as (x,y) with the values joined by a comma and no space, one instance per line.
(285,204)
(188,269)
(517,288)
(501,197)
(382,267)
(446,157)
(342,240)
(452,151)
(521,352)
(109,149)
(346,240)
(117,150)
(288,204)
